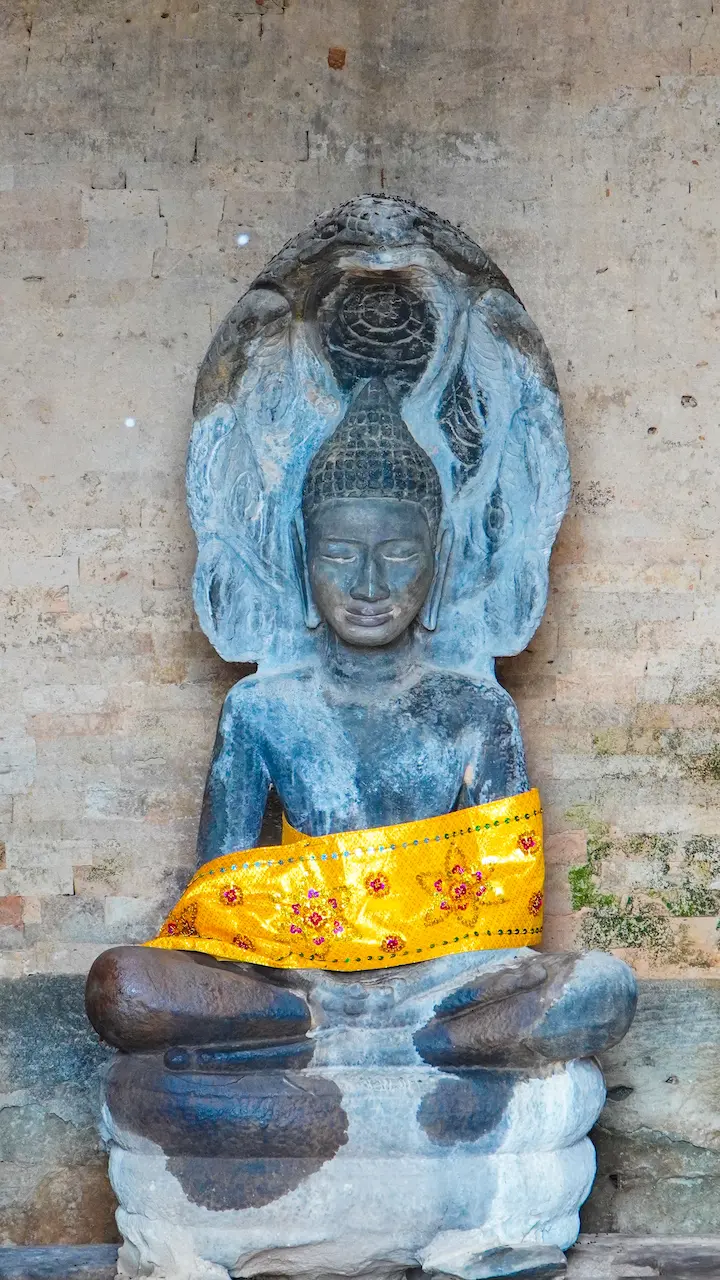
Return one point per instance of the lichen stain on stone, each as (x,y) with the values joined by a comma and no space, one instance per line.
(709,697)
(633,890)
(642,925)
(599,841)
(611,742)
(704,766)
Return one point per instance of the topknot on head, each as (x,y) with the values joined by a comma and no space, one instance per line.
(372,454)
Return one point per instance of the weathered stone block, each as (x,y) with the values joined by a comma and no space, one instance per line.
(39,571)
(657,1139)
(52,225)
(11,912)
(111,205)
(17,762)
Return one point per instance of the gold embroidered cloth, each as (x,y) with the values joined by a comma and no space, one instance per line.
(468,881)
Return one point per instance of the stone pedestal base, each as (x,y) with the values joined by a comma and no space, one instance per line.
(349,1171)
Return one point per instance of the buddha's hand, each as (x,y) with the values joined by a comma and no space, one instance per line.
(365,995)
(535,1010)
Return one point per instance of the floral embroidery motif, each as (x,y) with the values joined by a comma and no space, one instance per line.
(232,896)
(393,944)
(535,904)
(456,893)
(528,842)
(377,884)
(240,940)
(317,921)
(184,925)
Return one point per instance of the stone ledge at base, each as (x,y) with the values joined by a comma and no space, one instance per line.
(615,1257)
(59,1262)
(599,1257)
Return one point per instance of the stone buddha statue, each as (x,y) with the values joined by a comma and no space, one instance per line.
(341,1054)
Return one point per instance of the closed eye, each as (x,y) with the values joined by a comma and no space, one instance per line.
(400,552)
(338,553)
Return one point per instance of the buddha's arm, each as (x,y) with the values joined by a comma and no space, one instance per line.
(497,765)
(237,785)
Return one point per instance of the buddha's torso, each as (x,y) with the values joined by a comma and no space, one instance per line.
(341,759)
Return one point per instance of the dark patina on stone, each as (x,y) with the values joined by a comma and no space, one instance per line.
(234,1141)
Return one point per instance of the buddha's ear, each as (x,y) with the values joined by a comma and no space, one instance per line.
(443,547)
(299,547)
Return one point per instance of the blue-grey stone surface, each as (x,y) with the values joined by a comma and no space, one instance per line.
(60,1262)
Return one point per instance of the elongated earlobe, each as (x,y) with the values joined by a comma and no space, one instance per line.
(299,546)
(443,547)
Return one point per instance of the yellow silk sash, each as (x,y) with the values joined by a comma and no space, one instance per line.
(466,881)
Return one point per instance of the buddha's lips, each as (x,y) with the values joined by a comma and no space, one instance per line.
(368,619)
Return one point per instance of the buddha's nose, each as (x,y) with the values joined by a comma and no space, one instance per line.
(370,583)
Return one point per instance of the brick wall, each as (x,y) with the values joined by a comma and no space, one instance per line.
(578,143)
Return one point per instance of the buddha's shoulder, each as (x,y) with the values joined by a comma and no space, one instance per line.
(261,693)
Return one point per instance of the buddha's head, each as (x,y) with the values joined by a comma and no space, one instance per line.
(371,545)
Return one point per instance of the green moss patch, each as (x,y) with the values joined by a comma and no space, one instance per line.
(632,887)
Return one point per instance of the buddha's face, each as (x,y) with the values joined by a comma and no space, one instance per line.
(371,563)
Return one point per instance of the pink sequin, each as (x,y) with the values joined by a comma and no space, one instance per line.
(393,944)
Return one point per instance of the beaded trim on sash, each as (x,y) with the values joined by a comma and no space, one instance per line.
(467,881)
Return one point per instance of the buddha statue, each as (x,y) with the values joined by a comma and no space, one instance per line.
(342,1054)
